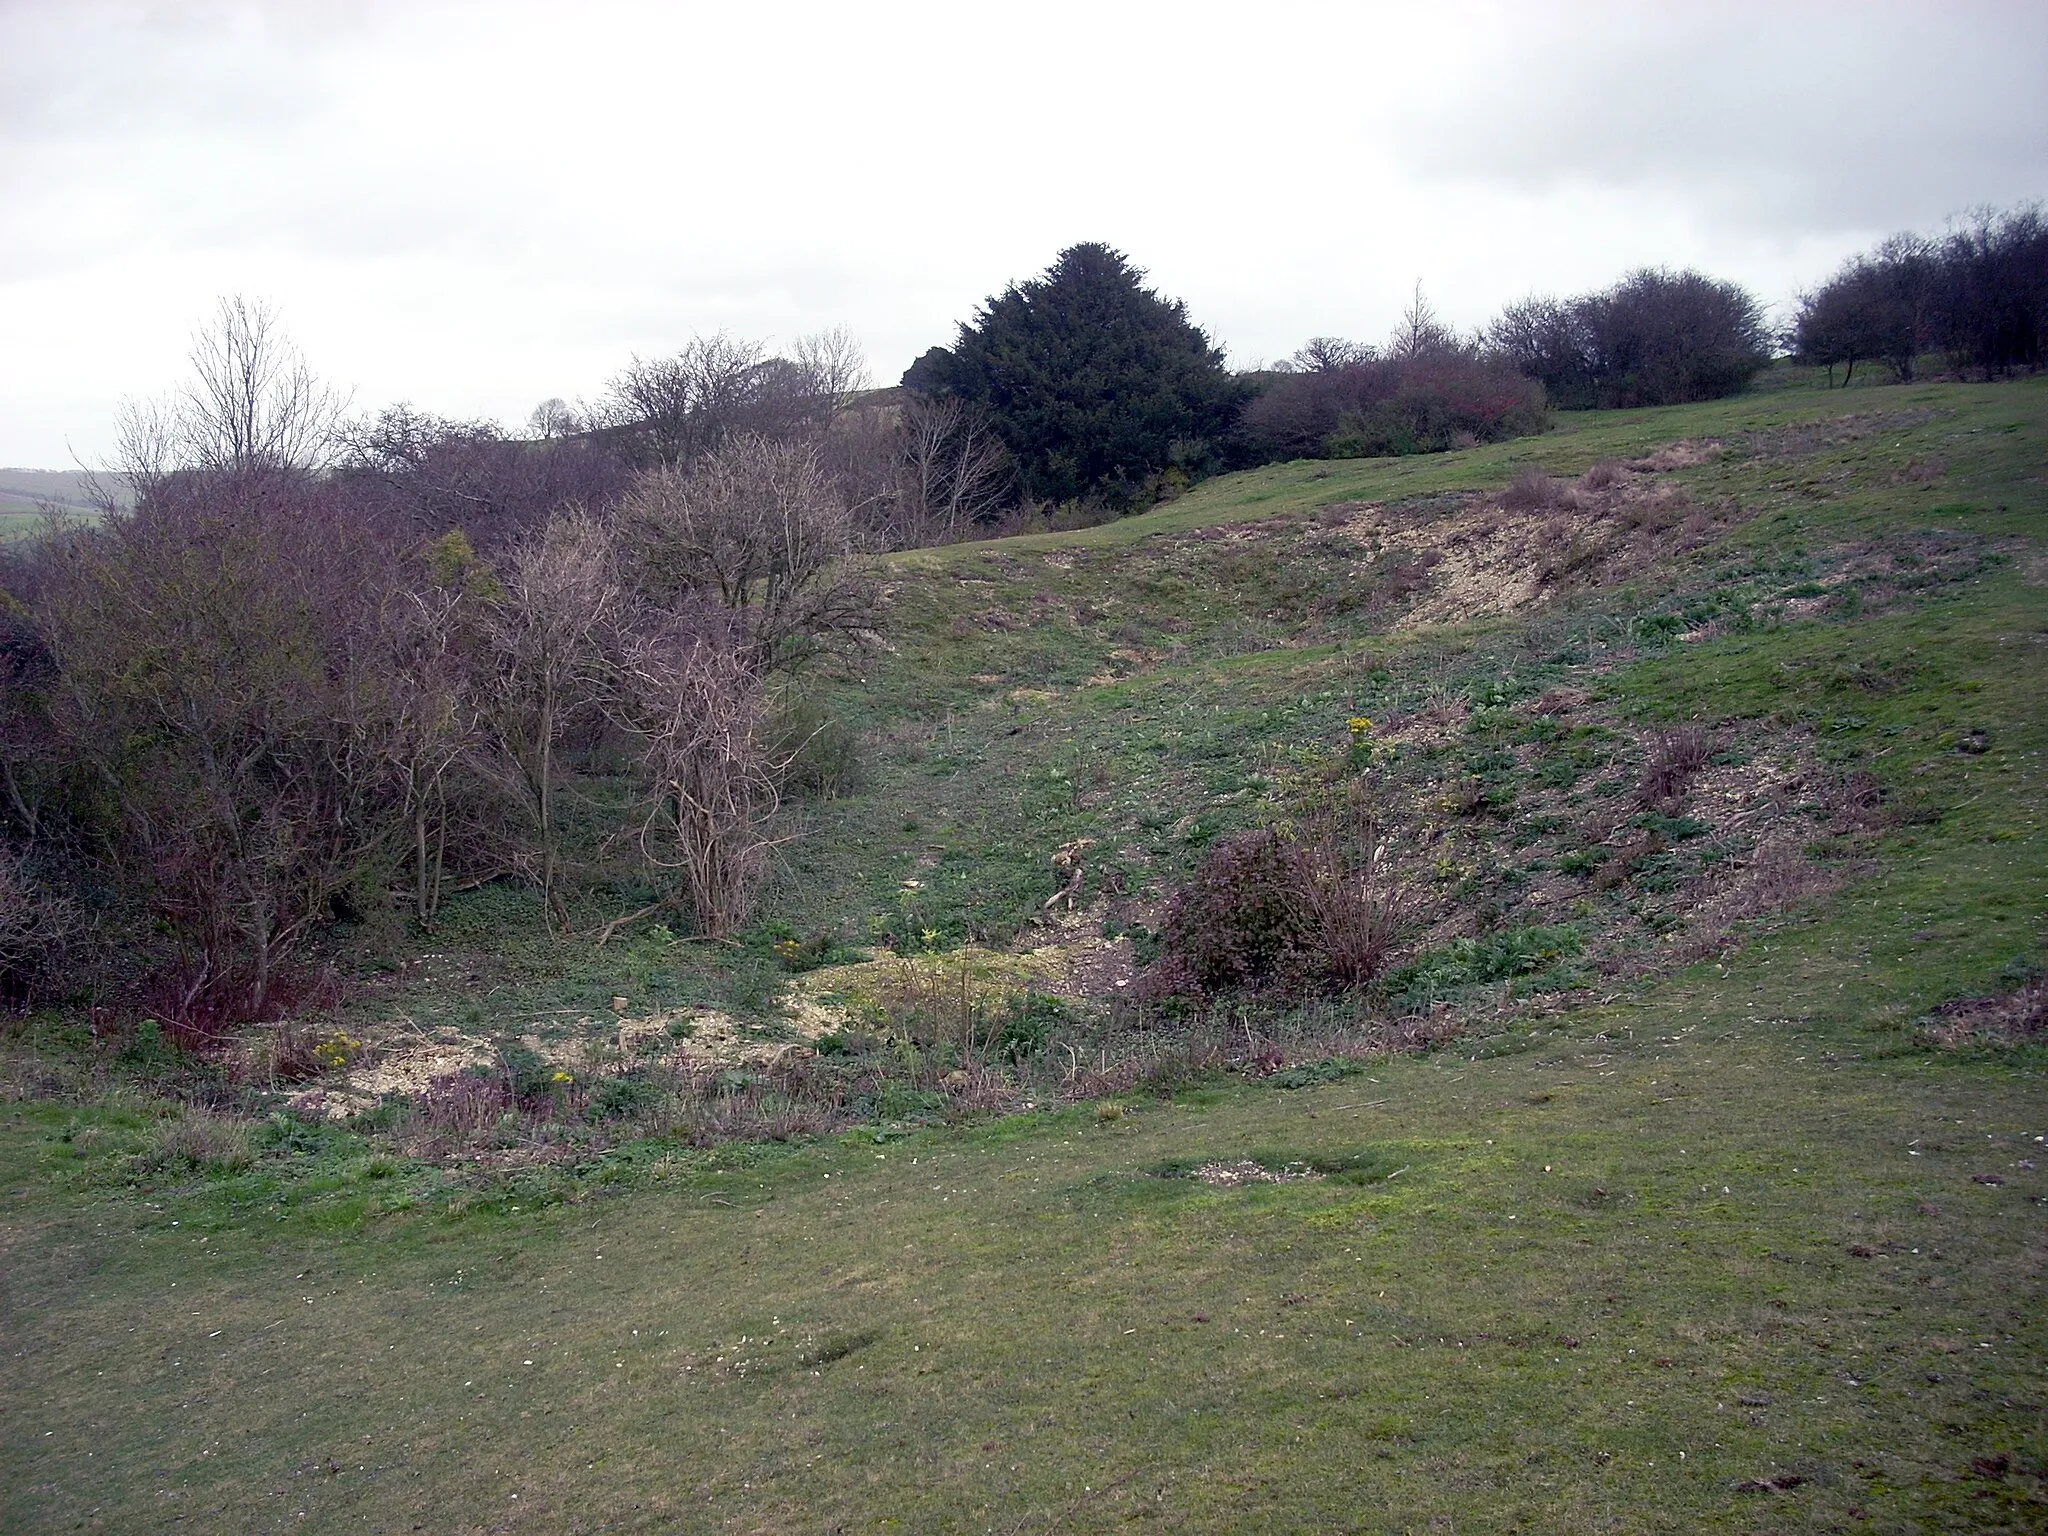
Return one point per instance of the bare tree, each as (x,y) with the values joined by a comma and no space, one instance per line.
(1328,354)
(953,470)
(252,406)
(682,407)
(255,404)
(554,417)
(426,710)
(687,404)
(834,367)
(1421,332)
(711,783)
(758,528)
(549,629)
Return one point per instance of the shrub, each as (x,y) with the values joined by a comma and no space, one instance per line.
(1348,881)
(1675,758)
(1533,491)
(821,750)
(1368,406)
(201,1008)
(464,1103)
(1506,955)
(1026,1025)
(1242,919)
(198,1141)
(1654,338)
(39,928)
(1451,400)
(626,1098)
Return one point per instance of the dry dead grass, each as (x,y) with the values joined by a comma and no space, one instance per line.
(1536,540)
(2000,1018)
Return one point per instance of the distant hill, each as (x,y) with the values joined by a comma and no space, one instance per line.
(30,490)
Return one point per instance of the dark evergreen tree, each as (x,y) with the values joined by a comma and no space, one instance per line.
(1094,382)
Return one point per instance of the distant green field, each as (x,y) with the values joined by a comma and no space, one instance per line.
(25,494)
(29,523)
(1730,1246)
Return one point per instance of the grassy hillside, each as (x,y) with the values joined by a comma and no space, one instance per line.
(27,497)
(1723,1214)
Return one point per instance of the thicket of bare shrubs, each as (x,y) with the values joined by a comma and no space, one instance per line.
(262,699)
(1654,338)
(1426,391)
(1674,759)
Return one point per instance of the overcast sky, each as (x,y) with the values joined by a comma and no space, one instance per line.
(476,206)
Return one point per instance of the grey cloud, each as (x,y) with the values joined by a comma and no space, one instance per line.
(1795,119)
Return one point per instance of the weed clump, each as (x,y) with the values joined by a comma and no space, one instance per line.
(2015,1013)
(1675,759)
(1534,491)
(1535,957)
(198,1141)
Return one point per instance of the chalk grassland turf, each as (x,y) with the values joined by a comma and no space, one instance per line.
(1724,1253)
(1614,1278)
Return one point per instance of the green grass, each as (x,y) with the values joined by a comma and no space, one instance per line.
(1606,1246)
(1580,440)
(1591,1270)
(21,520)
(1008,741)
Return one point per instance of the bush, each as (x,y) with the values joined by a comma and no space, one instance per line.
(1506,955)
(1361,908)
(1243,919)
(626,1098)
(1533,491)
(1366,406)
(39,928)
(1655,338)
(1026,1025)
(1675,758)
(464,1103)
(198,1141)
(821,750)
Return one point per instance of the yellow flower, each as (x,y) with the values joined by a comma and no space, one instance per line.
(1359,725)
(561,1077)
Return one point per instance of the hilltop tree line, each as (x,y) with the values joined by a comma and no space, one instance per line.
(1977,296)
(1103,391)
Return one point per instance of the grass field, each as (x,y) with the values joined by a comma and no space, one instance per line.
(26,494)
(1729,1246)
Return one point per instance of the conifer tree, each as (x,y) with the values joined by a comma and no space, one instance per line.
(1094,382)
